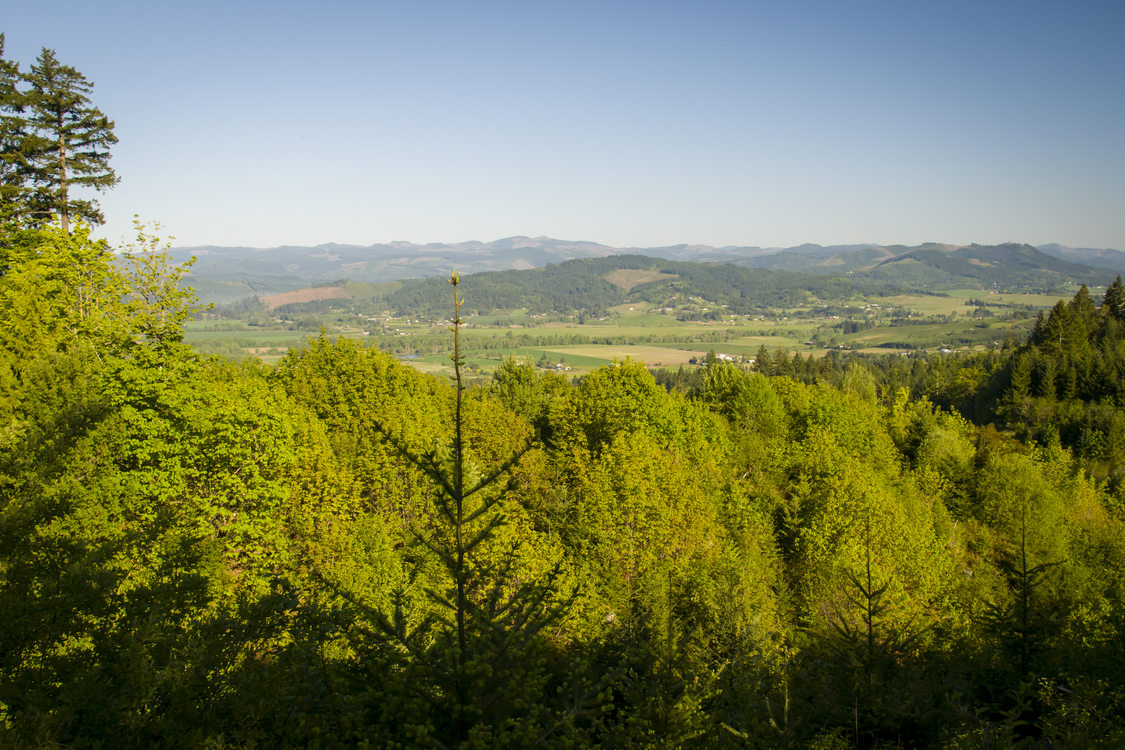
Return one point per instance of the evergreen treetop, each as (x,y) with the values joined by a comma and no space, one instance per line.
(63,144)
(11,131)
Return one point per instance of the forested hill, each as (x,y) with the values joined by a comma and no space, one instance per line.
(225,274)
(1009,267)
(595,284)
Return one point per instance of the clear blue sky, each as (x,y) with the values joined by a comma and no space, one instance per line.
(627,123)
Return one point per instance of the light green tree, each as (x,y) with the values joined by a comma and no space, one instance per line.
(158,302)
(65,288)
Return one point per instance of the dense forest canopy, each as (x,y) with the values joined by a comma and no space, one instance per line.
(341,551)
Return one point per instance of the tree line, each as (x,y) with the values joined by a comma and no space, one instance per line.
(1065,384)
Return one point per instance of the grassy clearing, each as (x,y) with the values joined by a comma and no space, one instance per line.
(955,301)
(263,336)
(627,278)
(503,318)
(215,325)
(650,355)
(940,335)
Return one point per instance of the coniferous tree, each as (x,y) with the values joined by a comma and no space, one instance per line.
(762,360)
(1047,372)
(1019,386)
(1083,305)
(484,637)
(873,647)
(1113,305)
(12,177)
(1023,624)
(1055,334)
(66,143)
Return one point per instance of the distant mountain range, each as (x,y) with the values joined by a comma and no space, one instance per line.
(223,274)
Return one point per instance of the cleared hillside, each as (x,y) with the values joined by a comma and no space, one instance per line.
(311,294)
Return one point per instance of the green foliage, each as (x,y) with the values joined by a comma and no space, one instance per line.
(528,392)
(1068,382)
(483,630)
(158,302)
(623,398)
(341,551)
(141,546)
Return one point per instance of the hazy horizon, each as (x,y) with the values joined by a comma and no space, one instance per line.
(182,246)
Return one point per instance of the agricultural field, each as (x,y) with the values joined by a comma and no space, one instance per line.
(959,320)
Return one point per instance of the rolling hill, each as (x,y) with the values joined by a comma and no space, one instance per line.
(593,285)
(1008,267)
(226,274)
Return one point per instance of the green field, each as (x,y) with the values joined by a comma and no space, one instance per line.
(955,301)
(636,331)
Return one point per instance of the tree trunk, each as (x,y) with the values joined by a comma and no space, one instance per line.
(64,210)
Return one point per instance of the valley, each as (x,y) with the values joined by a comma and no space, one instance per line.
(660,337)
(667,307)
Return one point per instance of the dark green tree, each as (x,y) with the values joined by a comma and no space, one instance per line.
(1046,374)
(1113,304)
(1023,624)
(12,176)
(874,645)
(1083,305)
(762,360)
(1018,391)
(476,660)
(66,144)
(1057,332)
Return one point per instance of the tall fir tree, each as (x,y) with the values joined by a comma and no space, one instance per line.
(66,144)
(1113,304)
(12,173)
(762,361)
(485,634)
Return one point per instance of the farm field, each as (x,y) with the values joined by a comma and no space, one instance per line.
(657,356)
(938,336)
(571,359)
(659,338)
(956,301)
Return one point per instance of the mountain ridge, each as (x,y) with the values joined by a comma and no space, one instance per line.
(227,273)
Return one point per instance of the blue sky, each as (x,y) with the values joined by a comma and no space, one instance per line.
(627,123)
